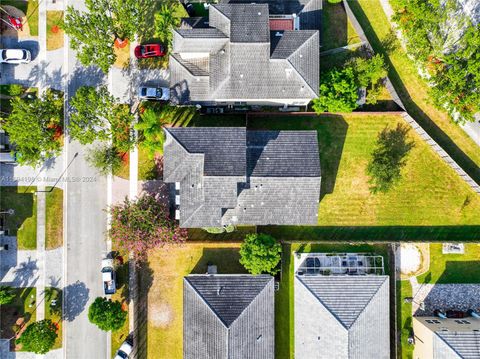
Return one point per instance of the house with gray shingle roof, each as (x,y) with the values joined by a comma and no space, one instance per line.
(341,315)
(228,316)
(446,338)
(248,54)
(231,176)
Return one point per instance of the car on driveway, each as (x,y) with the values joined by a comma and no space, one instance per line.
(125,350)
(149,50)
(154,93)
(15,56)
(108,277)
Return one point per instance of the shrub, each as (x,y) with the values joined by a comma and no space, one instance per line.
(15,90)
(7,294)
(39,337)
(260,253)
(107,314)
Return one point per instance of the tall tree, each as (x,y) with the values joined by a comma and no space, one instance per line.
(93,33)
(107,314)
(39,337)
(260,253)
(388,158)
(96,115)
(35,126)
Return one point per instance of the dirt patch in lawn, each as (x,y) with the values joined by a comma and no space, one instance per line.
(414,259)
(161,314)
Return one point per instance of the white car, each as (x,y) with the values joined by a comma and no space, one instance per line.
(108,277)
(154,93)
(15,56)
(125,350)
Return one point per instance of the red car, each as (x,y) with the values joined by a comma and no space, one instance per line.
(149,50)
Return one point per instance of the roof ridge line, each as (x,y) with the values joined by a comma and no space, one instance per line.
(447,344)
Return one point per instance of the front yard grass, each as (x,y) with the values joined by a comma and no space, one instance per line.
(20,312)
(337,30)
(404,319)
(55,37)
(284,298)
(430,193)
(165,297)
(54,219)
(453,268)
(23,223)
(54,312)
(413,90)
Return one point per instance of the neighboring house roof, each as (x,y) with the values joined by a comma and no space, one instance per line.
(228,316)
(239,59)
(452,345)
(342,317)
(234,176)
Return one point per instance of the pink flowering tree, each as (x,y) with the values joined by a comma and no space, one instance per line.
(140,225)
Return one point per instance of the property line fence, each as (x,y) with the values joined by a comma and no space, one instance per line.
(409,119)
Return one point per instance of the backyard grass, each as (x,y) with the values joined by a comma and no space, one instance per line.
(30,8)
(453,268)
(430,193)
(413,90)
(23,223)
(337,30)
(404,319)
(54,312)
(119,336)
(54,219)
(20,312)
(165,297)
(284,298)
(54,21)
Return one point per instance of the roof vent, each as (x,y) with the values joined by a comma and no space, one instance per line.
(222,51)
(279,34)
(301,55)
(259,338)
(262,203)
(193,185)
(220,290)
(241,76)
(259,13)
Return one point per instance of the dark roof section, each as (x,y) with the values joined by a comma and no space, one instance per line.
(224,148)
(194,22)
(228,316)
(282,154)
(209,32)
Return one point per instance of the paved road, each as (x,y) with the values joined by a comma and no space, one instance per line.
(85,226)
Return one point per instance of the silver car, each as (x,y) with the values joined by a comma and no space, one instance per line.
(15,56)
(154,93)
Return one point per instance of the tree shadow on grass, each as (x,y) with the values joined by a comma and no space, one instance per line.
(226,260)
(140,299)
(416,112)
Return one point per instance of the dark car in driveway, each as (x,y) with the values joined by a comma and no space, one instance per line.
(149,50)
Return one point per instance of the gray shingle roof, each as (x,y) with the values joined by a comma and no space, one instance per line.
(461,345)
(243,63)
(228,316)
(342,316)
(234,176)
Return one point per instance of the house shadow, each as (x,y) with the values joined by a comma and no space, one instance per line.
(227,261)
(460,272)
(140,299)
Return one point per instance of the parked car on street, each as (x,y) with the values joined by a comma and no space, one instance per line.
(108,276)
(125,349)
(15,56)
(154,93)
(149,50)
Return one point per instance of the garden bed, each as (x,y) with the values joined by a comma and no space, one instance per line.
(53,311)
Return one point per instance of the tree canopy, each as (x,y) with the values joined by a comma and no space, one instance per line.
(35,127)
(388,158)
(92,33)
(7,294)
(260,253)
(143,224)
(107,314)
(39,337)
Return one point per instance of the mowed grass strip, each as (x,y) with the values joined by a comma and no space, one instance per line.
(430,192)
(404,319)
(54,219)
(413,90)
(453,268)
(168,266)
(54,30)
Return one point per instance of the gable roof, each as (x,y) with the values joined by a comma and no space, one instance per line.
(462,345)
(234,176)
(347,316)
(228,316)
(244,62)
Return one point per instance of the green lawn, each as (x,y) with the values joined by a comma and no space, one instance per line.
(413,90)
(404,319)
(429,194)
(30,8)
(54,39)
(54,312)
(21,310)
(54,219)
(337,30)
(119,336)
(23,223)
(284,298)
(453,268)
